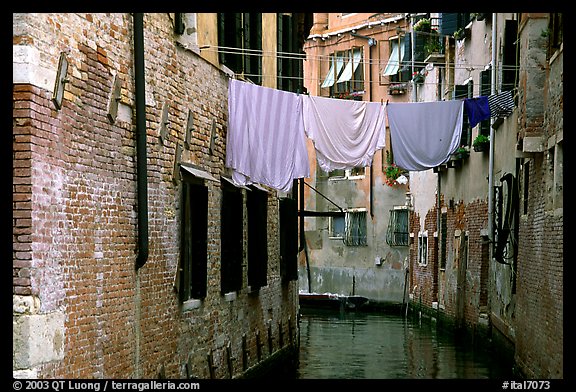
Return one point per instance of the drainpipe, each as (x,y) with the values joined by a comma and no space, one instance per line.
(141,165)
(412,43)
(491,156)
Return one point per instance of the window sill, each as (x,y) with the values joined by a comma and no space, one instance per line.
(229,297)
(191,304)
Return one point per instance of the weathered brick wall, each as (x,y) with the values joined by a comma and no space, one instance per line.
(539,318)
(423,284)
(75,226)
(441,285)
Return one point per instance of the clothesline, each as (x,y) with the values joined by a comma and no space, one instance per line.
(267,129)
(328,58)
(476,86)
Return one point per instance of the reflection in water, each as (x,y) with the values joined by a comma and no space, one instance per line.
(354,345)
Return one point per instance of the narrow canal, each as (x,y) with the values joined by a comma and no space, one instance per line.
(377,345)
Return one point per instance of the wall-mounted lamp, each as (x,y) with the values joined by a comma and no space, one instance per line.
(61,79)
(371,41)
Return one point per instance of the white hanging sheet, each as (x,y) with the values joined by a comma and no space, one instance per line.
(345,133)
(424,134)
(266,142)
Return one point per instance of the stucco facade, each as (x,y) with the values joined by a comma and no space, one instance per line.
(376,269)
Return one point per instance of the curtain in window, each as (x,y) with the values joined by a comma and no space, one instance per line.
(351,66)
(338,62)
(397,234)
(394,60)
(355,228)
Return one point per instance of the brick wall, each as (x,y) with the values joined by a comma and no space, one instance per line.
(443,285)
(75,206)
(539,312)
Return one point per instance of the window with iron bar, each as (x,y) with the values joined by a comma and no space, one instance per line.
(397,233)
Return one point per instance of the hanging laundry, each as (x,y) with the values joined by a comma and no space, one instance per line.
(501,105)
(266,143)
(345,133)
(424,134)
(477,110)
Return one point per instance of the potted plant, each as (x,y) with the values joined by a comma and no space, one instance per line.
(417,77)
(424,25)
(461,153)
(481,143)
(392,172)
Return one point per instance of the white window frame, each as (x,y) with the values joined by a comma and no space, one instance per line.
(347,176)
(356,210)
(331,228)
(423,252)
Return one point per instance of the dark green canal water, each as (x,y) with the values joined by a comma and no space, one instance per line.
(376,345)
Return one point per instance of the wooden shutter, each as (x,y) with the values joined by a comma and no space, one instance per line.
(231,235)
(288,239)
(199,235)
(257,205)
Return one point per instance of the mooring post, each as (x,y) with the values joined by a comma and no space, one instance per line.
(270,337)
(258,346)
(244,353)
(211,365)
(229,359)
(280,334)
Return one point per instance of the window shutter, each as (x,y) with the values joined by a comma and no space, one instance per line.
(257,205)
(448,23)
(288,239)
(199,231)
(231,234)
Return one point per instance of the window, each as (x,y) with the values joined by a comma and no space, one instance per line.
(555,29)
(346,74)
(288,239)
(237,32)
(485,90)
(423,248)
(289,68)
(398,67)
(443,239)
(397,233)
(355,230)
(510,69)
(350,174)
(257,206)
(460,92)
(231,237)
(193,239)
(337,227)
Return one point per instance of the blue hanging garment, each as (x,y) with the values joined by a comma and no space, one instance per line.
(477,110)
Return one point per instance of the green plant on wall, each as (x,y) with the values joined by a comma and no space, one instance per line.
(392,172)
(481,143)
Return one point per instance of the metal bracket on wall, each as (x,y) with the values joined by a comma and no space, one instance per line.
(188,130)
(163,124)
(114,99)
(61,80)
